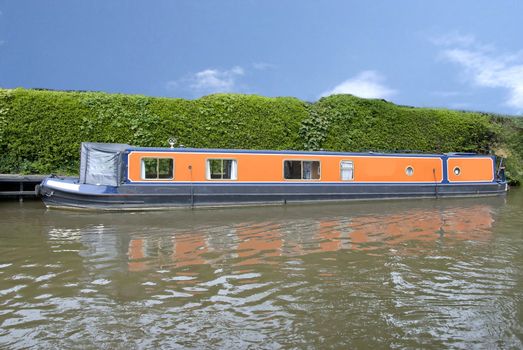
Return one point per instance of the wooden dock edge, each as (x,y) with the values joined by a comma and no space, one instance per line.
(15,186)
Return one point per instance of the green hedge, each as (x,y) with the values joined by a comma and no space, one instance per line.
(352,123)
(509,144)
(40,131)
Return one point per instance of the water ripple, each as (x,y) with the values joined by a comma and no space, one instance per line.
(406,274)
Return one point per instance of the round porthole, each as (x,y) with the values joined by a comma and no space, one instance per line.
(409,171)
(457,171)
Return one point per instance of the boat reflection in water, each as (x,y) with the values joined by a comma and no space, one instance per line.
(299,231)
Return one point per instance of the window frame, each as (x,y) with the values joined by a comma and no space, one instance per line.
(301,160)
(234,174)
(341,169)
(142,168)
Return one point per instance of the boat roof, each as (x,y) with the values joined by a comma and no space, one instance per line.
(321,152)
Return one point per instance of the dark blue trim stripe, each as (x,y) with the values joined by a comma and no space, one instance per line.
(173,184)
(243,151)
(445,167)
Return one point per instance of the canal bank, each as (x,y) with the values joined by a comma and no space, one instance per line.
(14,186)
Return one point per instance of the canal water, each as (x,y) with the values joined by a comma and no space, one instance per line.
(397,274)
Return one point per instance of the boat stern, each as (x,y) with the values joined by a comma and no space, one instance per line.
(67,192)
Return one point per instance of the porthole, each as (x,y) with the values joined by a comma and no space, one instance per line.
(457,171)
(409,171)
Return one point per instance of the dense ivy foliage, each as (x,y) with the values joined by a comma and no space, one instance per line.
(509,145)
(40,131)
(348,123)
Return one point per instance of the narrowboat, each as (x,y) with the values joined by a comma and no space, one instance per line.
(120,177)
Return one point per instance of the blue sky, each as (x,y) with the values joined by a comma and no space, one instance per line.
(465,54)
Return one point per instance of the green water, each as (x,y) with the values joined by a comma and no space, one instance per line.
(399,274)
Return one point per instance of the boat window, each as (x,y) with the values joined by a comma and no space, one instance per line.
(457,171)
(157,168)
(222,169)
(347,170)
(409,171)
(301,170)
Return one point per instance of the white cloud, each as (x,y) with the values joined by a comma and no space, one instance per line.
(214,80)
(263,66)
(209,81)
(484,67)
(367,84)
(454,38)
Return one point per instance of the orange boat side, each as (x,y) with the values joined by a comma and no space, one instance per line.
(471,169)
(260,167)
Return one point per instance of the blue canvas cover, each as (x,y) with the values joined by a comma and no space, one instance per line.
(101,163)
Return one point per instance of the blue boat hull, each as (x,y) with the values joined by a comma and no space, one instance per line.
(67,193)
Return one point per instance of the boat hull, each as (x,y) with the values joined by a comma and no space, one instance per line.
(65,193)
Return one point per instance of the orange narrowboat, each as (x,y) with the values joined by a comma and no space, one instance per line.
(118,177)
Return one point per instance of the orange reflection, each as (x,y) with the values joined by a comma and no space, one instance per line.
(469,224)
(329,236)
(188,249)
(256,243)
(136,252)
(395,229)
(422,225)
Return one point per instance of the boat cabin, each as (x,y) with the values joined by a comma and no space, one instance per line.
(113,165)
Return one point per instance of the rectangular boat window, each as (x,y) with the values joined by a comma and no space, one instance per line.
(292,169)
(222,169)
(301,170)
(347,170)
(157,168)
